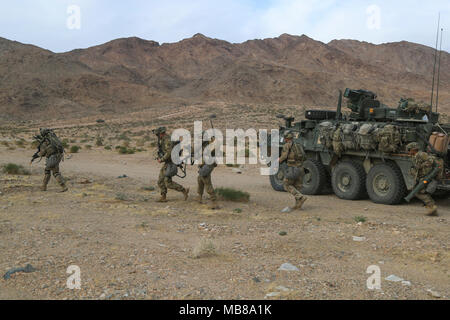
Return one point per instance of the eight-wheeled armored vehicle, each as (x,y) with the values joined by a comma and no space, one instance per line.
(362,152)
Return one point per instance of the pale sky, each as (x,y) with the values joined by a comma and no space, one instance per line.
(45,22)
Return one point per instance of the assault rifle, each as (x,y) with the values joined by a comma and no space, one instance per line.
(39,139)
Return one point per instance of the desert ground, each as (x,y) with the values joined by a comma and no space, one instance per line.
(130,247)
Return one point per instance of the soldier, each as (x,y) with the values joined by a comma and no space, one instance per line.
(423,164)
(294,155)
(51,148)
(204,176)
(168,170)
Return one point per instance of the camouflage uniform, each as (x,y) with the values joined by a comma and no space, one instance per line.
(53,158)
(164,182)
(423,164)
(204,182)
(294,155)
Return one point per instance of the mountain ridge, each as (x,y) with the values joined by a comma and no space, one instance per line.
(128,73)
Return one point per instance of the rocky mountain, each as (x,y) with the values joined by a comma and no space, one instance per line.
(133,73)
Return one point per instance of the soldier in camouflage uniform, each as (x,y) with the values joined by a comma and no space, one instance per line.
(51,148)
(204,177)
(423,164)
(294,155)
(165,182)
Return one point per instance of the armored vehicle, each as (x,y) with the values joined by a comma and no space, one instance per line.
(362,151)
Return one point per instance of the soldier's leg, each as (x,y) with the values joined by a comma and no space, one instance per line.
(200,188)
(59,178)
(300,199)
(209,187)
(428,201)
(162,184)
(47,175)
(170,184)
(212,194)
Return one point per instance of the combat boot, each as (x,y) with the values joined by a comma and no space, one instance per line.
(299,203)
(186,194)
(45,183)
(199,199)
(163,198)
(214,205)
(432,210)
(62,183)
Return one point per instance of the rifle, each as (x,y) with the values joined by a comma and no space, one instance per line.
(423,183)
(40,139)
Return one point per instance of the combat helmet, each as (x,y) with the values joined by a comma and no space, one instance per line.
(288,135)
(412,146)
(159,130)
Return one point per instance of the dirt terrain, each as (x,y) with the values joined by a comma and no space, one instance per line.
(130,247)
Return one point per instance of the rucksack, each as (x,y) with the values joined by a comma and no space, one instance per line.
(389,139)
(55,142)
(326,130)
(349,136)
(338,147)
(366,137)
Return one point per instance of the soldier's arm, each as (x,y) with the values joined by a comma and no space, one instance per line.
(44,149)
(167,147)
(284,152)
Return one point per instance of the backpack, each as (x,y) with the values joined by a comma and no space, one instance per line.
(366,137)
(326,130)
(338,147)
(349,136)
(55,142)
(389,139)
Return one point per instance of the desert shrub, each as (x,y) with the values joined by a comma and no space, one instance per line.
(360,219)
(204,249)
(125,150)
(121,196)
(20,143)
(108,147)
(230,194)
(65,143)
(5,143)
(74,149)
(12,168)
(99,142)
(88,147)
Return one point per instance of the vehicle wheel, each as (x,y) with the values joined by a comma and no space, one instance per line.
(276,180)
(348,180)
(385,184)
(315,179)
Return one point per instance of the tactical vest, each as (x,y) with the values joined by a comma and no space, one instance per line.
(296,155)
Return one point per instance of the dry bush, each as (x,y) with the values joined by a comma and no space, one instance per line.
(204,249)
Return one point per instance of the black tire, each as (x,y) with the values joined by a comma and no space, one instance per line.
(315,179)
(385,184)
(276,181)
(348,180)
(320,114)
